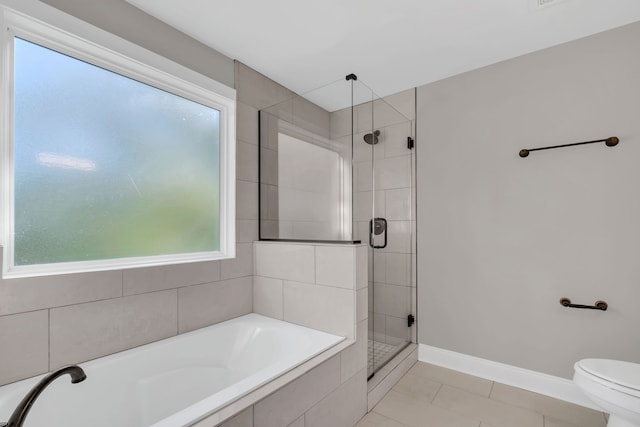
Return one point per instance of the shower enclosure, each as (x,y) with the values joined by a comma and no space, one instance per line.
(337,165)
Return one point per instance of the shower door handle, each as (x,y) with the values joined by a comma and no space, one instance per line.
(377,226)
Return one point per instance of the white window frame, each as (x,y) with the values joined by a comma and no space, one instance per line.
(53,29)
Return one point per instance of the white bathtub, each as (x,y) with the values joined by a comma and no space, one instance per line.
(173,382)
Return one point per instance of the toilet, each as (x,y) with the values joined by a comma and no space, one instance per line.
(614,386)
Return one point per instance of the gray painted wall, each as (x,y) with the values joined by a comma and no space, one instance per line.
(500,238)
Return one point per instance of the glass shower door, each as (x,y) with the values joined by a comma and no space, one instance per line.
(343,172)
(384,204)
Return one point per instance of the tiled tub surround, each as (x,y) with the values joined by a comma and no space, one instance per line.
(324,287)
(319,286)
(56,320)
(177,381)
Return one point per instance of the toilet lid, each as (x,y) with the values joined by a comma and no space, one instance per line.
(625,374)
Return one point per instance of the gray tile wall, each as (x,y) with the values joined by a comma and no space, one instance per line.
(333,393)
(319,286)
(56,320)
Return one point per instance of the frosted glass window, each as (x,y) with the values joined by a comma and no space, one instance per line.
(108,167)
(111,156)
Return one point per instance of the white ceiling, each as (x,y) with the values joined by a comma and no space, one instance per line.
(391,45)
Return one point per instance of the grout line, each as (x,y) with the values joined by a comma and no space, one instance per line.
(493,383)
(437,392)
(315,265)
(282,297)
(30,311)
(177,311)
(49,339)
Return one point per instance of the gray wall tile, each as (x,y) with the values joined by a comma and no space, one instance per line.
(362,303)
(297,423)
(243,419)
(268,297)
(340,123)
(87,331)
(354,358)
(393,173)
(246,200)
(246,123)
(391,300)
(35,293)
(311,117)
(141,280)
(325,308)
(342,408)
(285,261)
(256,90)
(28,352)
(398,204)
(404,102)
(241,265)
(247,159)
(246,230)
(362,268)
(204,305)
(336,266)
(291,401)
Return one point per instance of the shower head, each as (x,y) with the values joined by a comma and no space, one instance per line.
(372,138)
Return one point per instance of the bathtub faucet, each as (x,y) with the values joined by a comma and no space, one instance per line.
(20,413)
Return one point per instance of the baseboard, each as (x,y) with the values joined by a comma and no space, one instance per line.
(549,385)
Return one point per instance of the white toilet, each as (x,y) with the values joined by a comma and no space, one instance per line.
(614,386)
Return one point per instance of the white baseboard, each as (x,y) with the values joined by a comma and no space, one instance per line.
(549,385)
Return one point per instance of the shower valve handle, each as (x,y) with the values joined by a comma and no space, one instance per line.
(377,226)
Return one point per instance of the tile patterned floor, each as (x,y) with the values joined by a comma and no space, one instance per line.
(431,396)
(379,352)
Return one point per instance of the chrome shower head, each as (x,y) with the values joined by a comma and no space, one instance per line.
(372,138)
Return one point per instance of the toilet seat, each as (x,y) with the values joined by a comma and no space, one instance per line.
(614,374)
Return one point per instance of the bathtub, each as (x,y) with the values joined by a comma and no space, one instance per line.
(173,382)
